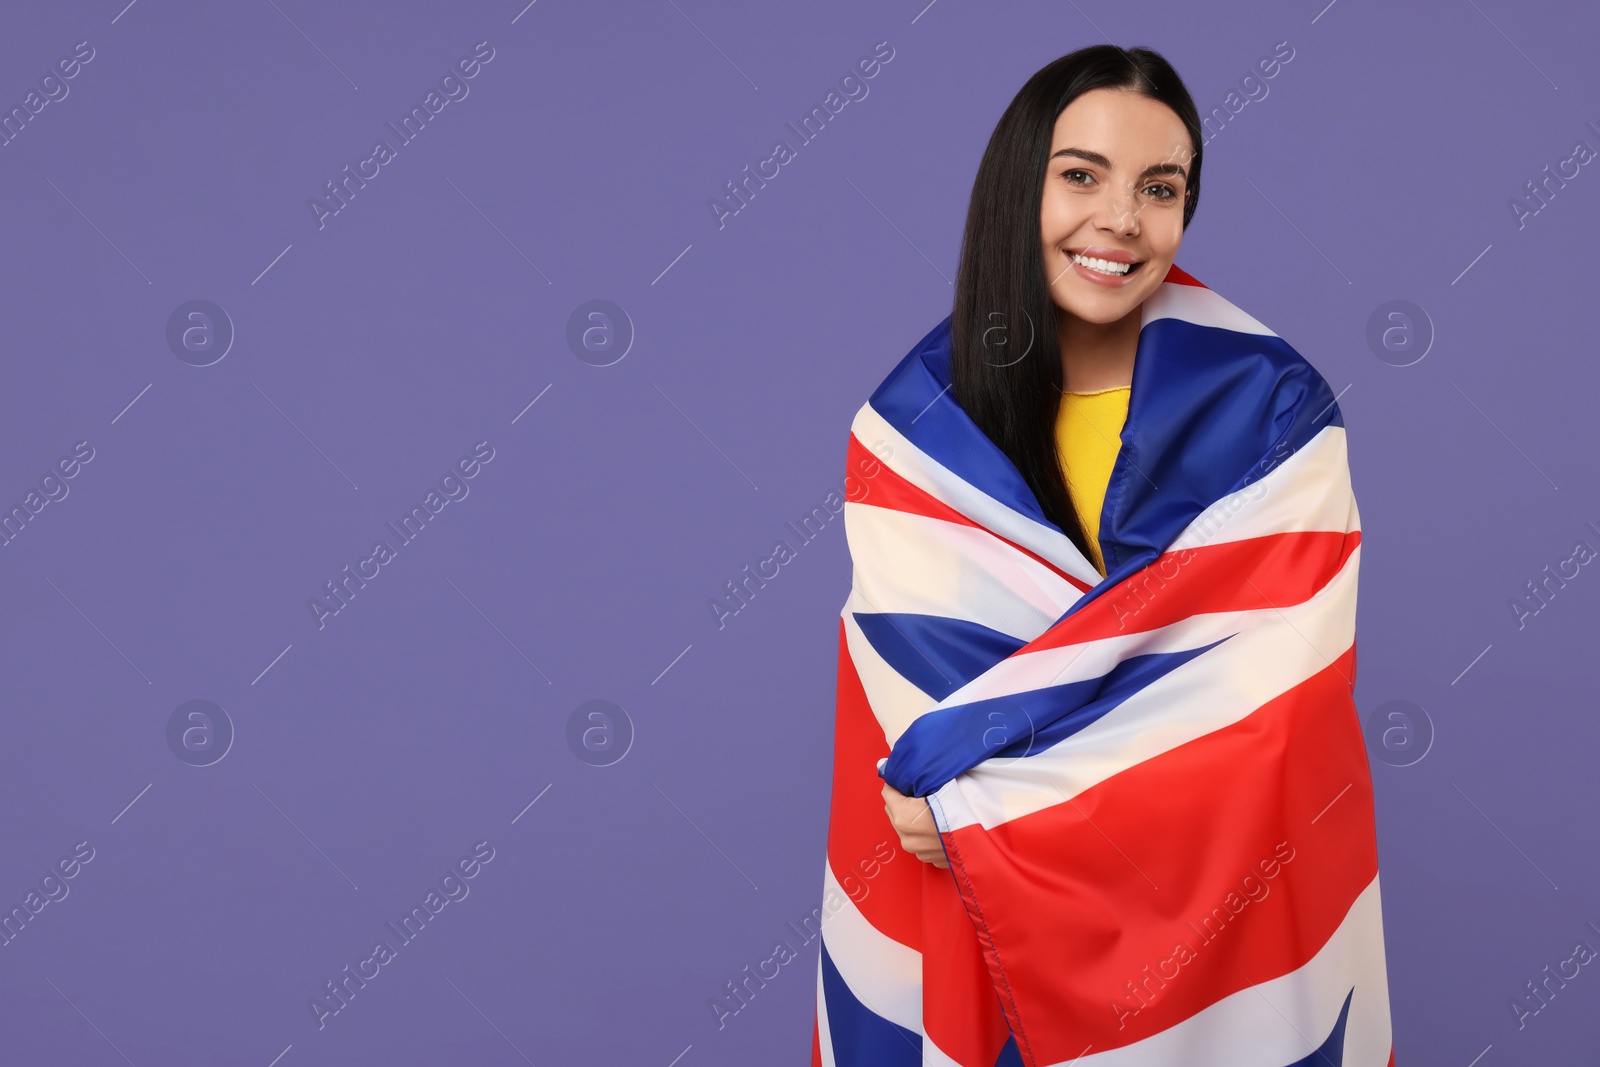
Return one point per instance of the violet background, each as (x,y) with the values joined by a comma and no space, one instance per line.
(433,309)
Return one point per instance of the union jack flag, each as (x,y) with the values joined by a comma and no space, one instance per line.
(1152,787)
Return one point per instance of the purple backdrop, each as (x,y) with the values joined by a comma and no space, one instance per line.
(218,398)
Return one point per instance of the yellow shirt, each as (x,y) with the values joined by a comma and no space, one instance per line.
(1088,429)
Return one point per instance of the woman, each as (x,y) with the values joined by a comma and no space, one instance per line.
(1099,645)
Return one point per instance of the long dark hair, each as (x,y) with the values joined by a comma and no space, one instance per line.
(1002,300)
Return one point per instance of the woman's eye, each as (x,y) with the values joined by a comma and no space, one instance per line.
(1068,175)
(1165,193)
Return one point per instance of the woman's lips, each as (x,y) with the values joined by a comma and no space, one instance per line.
(1110,281)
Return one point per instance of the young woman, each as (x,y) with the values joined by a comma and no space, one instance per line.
(1097,662)
(1118,184)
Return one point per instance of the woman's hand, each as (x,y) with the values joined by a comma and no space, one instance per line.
(913,821)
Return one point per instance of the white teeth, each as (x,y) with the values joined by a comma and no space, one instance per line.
(1104,266)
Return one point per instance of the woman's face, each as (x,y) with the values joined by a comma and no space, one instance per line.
(1114,190)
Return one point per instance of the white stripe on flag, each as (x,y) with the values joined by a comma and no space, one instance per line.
(1201,306)
(885,975)
(927,474)
(928,566)
(1307,491)
(1284,1020)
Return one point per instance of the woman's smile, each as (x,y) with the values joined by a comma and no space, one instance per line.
(1104,266)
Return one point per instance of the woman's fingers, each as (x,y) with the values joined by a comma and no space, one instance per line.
(913,822)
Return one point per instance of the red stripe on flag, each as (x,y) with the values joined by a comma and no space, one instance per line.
(1177,276)
(1148,897)
(859,830)
(886,489)
(960,1012)
(1282,568)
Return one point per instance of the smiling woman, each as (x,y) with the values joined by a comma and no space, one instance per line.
(1117,185)
(1082,782)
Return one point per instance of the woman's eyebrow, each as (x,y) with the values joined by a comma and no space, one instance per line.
(1101,161)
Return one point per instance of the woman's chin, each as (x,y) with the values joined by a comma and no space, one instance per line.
(1100,308)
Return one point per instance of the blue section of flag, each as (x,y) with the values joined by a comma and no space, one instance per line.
(1010,1055)
(936,654)
(860,1035)
(1331,1050)
(944,743)
(1211,411)
(916,400)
